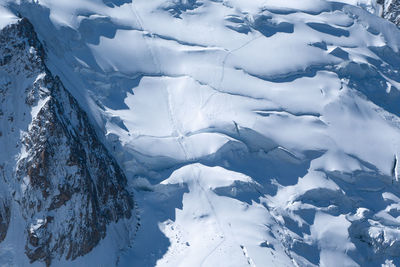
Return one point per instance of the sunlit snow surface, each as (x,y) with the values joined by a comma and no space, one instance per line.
(6,17)
(255,133)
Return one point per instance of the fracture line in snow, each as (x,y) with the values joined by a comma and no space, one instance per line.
(140,22)
(180,136)
(218,88)
(228,54)
(221,228)
(157,64)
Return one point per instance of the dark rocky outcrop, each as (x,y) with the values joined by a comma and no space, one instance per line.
(66,183)
(5,215)
(391,10)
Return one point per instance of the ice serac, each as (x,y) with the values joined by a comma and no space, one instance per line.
(62,180)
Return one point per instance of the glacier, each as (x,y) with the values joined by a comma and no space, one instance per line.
(251,133)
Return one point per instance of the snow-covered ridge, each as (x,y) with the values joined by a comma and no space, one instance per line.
(253,131)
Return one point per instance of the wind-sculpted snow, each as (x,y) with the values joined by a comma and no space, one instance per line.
(255,133)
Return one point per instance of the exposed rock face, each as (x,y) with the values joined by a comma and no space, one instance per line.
(4,218)
(391,10)
(66,183)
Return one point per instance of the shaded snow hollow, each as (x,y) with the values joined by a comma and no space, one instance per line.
(255,133)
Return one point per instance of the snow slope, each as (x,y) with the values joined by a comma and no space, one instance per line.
(255,133)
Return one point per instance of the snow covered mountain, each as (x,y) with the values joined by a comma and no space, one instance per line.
(242,132)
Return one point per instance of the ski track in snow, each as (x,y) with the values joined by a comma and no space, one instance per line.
(180,137)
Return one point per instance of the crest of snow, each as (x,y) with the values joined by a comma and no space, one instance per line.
(6,17)
(328,230)
(210,177)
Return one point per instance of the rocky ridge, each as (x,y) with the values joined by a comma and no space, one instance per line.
(390,10)
(66,184)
